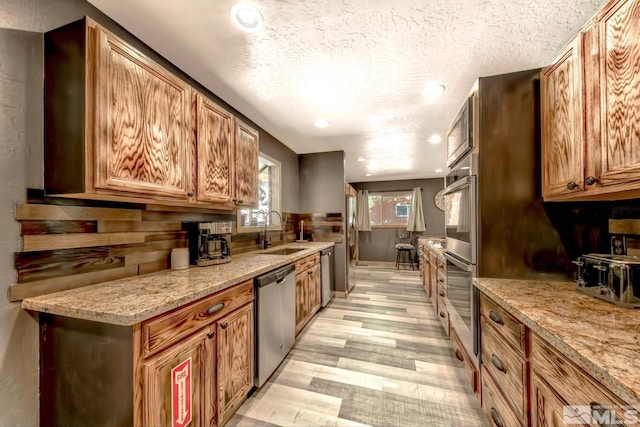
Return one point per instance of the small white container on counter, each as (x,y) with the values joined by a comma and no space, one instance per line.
(179,258)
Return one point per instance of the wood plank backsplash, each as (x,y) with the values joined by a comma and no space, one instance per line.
(70,243)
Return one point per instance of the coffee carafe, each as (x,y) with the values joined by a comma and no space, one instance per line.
(213,246)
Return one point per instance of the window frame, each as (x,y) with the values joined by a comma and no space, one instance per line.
(276,201)
(407,193)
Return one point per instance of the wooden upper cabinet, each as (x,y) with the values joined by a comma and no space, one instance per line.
(618,27)
(214,152)
(142,123)
(595,85)
(246,164)
(563,139)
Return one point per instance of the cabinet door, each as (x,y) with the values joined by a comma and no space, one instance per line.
(315,292)
(246,164)
(235,360)
(547,407)
(214,133)
(619,52)
(178,384)
(302,303)
(563,139)
(142,140)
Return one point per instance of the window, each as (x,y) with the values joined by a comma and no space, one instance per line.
(269,194)
(389,209)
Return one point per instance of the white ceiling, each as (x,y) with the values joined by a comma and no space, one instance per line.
(361,64)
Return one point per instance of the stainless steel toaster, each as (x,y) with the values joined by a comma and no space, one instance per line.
(613,278)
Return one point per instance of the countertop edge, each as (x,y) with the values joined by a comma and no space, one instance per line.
(595,370)
(46,303)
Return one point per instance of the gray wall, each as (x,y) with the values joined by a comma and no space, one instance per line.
(321,189)
(289,169)
(21,165)
(378,244)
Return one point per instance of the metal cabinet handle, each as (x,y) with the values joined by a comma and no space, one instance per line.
(224,325)
(496,418)
(240,200)
(590,180)
(441,294)
(496,317)
(459,356)
(495,360)
(442,314)
(571,185)
(211,334)
(215,308)
(191,194)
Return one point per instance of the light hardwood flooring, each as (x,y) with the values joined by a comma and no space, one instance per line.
(379,358)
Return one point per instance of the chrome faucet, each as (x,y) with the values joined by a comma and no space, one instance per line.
(265,242)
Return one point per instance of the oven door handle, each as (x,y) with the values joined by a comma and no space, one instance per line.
(456,186)
(461,265)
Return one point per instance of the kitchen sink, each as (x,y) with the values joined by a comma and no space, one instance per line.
(284,251)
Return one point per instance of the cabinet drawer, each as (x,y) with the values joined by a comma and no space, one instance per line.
(308,262)
(507,367)
(461,355)
(169,328)
(494,406)
(575,385)
(443,314)
(508,326)
(442,283)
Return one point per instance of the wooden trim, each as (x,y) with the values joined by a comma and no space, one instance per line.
(624,226)
(21,291)
(82,213)
(127,226)
(79,240)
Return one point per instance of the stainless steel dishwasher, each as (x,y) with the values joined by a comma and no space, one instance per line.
(275,325)
(326,275)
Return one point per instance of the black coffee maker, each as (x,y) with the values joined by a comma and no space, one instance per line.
(212,243)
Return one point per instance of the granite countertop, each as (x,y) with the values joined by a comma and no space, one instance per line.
(134,299)
(435,245)
(600,337)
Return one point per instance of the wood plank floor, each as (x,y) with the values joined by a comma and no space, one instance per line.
(379,358)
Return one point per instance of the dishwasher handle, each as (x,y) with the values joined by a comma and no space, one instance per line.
(275,276)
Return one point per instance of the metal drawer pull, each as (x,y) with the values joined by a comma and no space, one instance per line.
(496,317)
(224,325)
(215,308)
(496,418)
(495,360)
(442,314)
(441,294)
(211,334)
(459,356)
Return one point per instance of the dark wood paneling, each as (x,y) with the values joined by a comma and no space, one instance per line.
(57,227)
(42,265)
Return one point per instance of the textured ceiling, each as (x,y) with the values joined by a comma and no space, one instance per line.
(361,64)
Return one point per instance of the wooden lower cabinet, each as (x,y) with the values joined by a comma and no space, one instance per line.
(308,290)
(190,366)
(547,405)
(235,360)
(495,406)
(186,369)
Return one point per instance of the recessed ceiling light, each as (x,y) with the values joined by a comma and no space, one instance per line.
(438,170)
(367,174)
(321,123)
(433,90)
(361,159)
(247,16)
(435,139)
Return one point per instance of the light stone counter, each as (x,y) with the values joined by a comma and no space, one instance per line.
(600,337)
(134,299)
(434,245)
